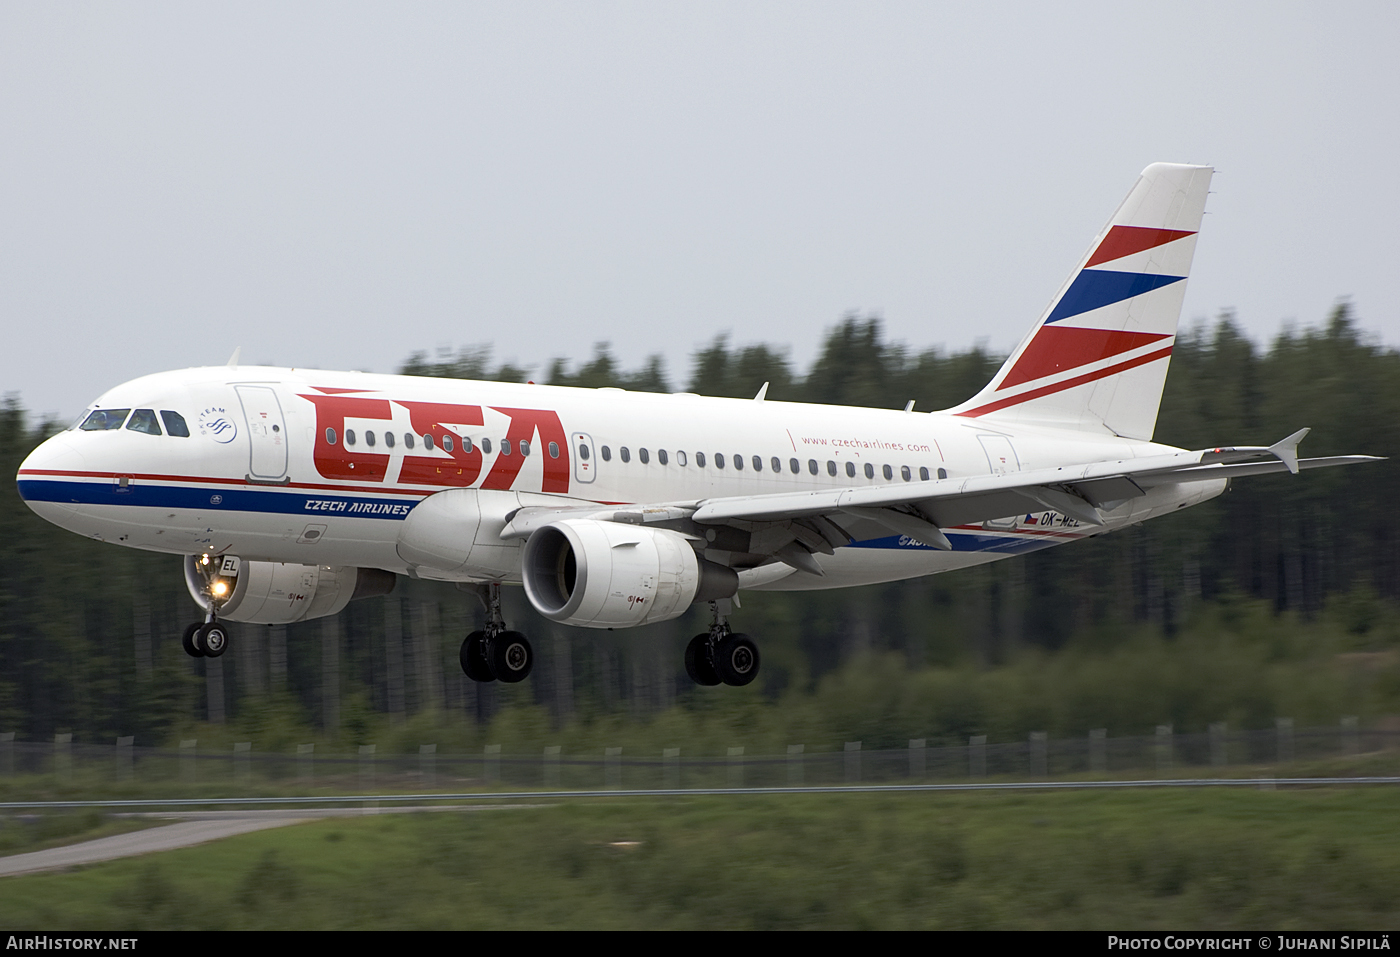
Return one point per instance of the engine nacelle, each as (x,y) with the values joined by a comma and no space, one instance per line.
(610,575)
(455,534)
(277,593)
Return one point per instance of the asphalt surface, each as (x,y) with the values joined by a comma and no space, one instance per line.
(193,827)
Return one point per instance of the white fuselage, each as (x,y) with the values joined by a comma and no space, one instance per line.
(269,472)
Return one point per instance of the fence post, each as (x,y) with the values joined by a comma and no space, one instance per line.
(795,759)
(977,756)
(918,757)
(671,760)
(306,763)
(551,766)
(1284,727)
(243,760)
(1219,744)
(124,760)
(491,763)
(612,768)
(427,764)
(736,767)
(1040,755)
(1351,739)
(1164,748)
(366,766)
(63,757)
(187,759)
(1098,750)
(852,761)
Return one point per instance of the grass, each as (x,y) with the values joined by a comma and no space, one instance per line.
(1290,859)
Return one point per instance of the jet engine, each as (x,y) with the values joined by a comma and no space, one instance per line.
(277,593)
(610,575)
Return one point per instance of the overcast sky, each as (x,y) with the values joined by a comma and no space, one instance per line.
(338,185)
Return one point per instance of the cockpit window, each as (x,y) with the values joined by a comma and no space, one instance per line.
(144,420)
(174,424)
(102,420)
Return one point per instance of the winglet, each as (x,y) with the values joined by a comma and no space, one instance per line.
(761,393)
(1286,451)
(233,359)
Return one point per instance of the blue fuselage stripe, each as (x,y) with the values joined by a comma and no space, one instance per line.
(205,498)
(276,501)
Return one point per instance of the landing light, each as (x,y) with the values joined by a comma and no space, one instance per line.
(219,588)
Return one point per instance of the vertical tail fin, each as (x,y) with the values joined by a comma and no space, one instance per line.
(1097,360)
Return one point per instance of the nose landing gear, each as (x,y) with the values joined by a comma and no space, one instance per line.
(495,654)
(208,638)
(721,655)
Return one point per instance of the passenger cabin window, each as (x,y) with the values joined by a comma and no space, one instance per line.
(524,447)
(389,440)
(505,446)
(607,454)
(738,463)
(330,436)
(174,424)
(812,466)
(869,470)
(554,450)
(466,443)
(485,446)
(700,460)
(583,452)
(408,440)
(777,464)
(349,436)
(625,453)
(428,441)
(661,456)
(757,463)
(904,473)
(680,459)
(794,466)
(447,443)
(850,470)
(369,439)
(889,473)
(942,473)
(644,455)
(830,467)
(719,460)
(104,420)
(923,473)
(144,420)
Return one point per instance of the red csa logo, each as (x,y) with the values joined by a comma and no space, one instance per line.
(457,467)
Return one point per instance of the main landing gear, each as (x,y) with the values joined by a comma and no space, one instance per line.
(495,654)
(721,656)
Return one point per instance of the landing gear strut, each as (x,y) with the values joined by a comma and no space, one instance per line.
(208,638)
(495,654)
(721,655)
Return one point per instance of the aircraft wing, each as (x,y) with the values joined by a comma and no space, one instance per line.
(816,521)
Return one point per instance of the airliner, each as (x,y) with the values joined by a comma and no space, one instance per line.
(291,492)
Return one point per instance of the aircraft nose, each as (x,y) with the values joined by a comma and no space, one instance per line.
(47,466)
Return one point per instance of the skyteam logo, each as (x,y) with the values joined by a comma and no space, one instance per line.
(216,423)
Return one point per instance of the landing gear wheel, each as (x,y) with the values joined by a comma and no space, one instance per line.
(736,659)
(510,656)
(211,639)
(187,642)
(473,657)
(697,661)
